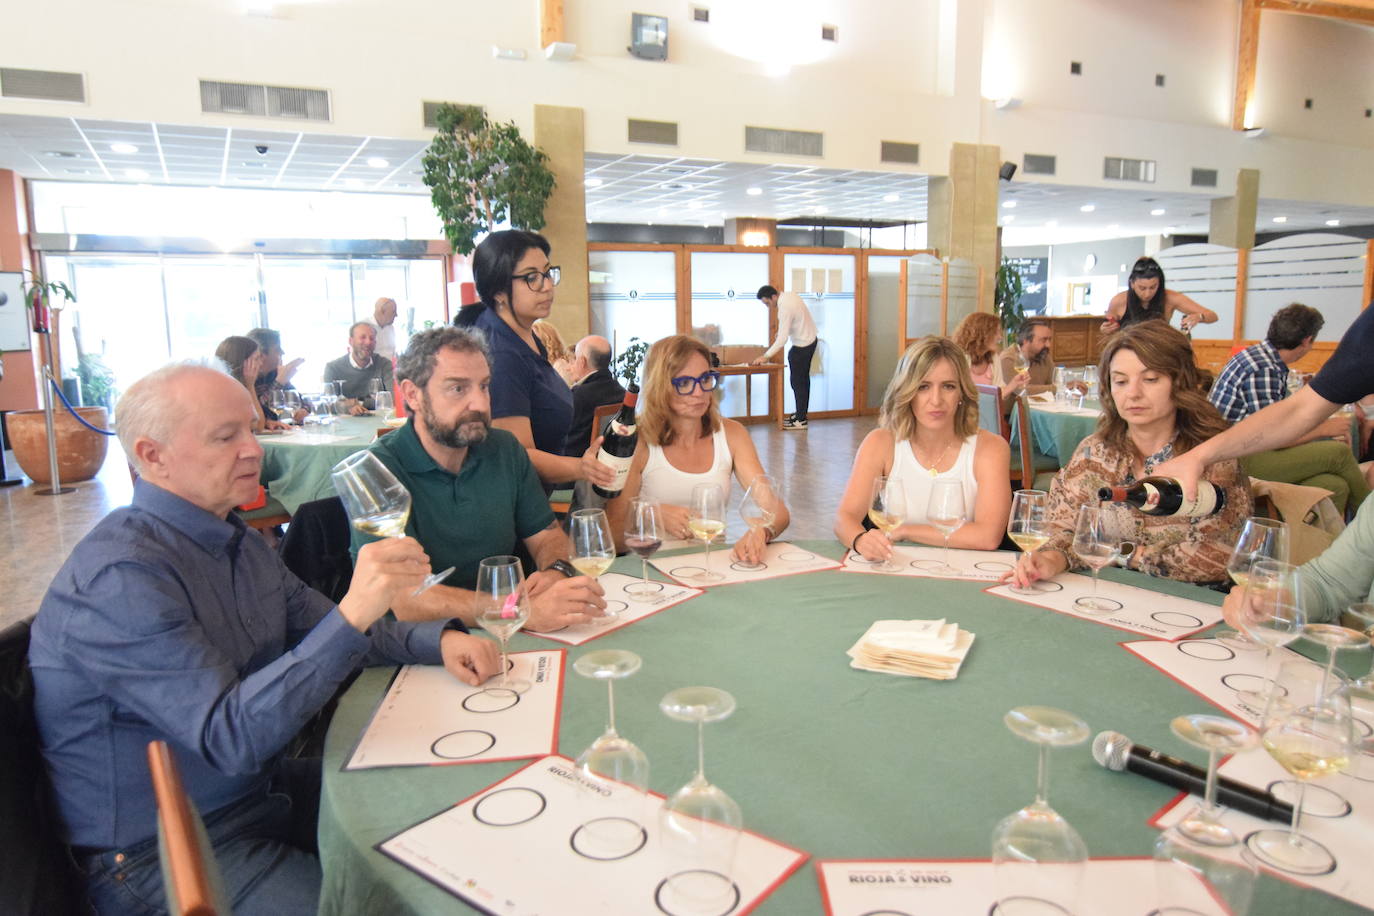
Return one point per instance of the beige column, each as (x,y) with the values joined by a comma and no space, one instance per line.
(558,131)
(1233,218)
(962,210)
(19,388)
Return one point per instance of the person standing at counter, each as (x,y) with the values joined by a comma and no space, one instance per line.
(794,323)
(529,399)
(1146,298)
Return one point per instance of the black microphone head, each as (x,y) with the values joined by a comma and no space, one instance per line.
(1110,749)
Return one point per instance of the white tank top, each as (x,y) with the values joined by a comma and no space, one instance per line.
(916,479)
(664,483)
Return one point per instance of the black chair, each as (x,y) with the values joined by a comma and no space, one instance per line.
(38,876)
(315,547)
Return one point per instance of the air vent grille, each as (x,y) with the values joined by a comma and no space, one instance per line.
(662,133)
(1038,164)
(299,104)
(264,101)
(787,142)
(908,153)
(45,85)
(1204,178)
(1117,169)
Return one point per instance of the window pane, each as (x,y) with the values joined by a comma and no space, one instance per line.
(884,311)
(208,300)
(417,286)
(725,312)
(310,304)
(826,283)
(118,313)
(633,294)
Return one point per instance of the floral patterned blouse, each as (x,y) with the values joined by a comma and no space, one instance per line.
(1187,549)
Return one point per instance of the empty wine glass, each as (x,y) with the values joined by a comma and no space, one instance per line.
(1096,545)
(502,609)
(946,510)
(1309,730)
(887,510)
(1361,617)
(614,772)
(759,506)
(1260,539)
(1335,638)
(1216,735)
(700,823)
(643,535)
(593,547)
(1027,526)
(1038,858)
(1271,614)
(1191,878)
(383,404)
(706,520)
(376,501)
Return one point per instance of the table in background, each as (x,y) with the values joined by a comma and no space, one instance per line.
(1057,429)
(774,373)
(838,762)
(296,465)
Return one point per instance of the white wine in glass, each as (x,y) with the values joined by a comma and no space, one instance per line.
(887,511)
(1272,614)
(593,547)
(1260,539)
(1027,526)
(377,503)
(706,520)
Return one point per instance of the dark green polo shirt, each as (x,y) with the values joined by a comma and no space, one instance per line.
(461,519)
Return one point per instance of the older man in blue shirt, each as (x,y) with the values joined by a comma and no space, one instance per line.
(171,620)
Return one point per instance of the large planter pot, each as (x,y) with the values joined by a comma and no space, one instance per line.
(80,452)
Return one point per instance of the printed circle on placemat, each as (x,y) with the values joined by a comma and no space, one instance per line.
(1254,683)
(491,699)
(745,567)
(1026,904)
(1250,841)
(508,807)
(886,913)
(640,588)
(1206,650)
(1176,619)
(1086,602)
(674,903)
(802,556)
(1318,801)
(927,565)
(615,606)
(1047,586)
(463,744)
(996,566)
(856,559)
(687,572)
(607,839)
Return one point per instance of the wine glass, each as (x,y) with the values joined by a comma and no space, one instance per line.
(946,510)
(1335,638)
(1096,545)
(1027,526)
(1216,735)
(502,609)
(643,535)
(700,823)
(1271,614)
(1189,876)
(887,511)
(1260,538)
(593,547)
(1038,858)
(1309,730)
(614,772)
(1361,617)
(759,506)
(383,404)
(377,502)
(706,520)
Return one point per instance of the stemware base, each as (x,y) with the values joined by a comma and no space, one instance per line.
(1097,606)
(1198,827)
(607,839)
(1236,639)
(509,685)
(1295,853)
(644,591)
(697,892)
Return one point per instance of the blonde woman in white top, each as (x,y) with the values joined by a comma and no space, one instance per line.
(928,430)
(684,441)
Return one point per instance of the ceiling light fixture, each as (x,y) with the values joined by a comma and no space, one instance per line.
(136,174)
(1009,217)
(892,198)
(377,162)
(1280,219)
(124,149)
(593,182)
(1157,211)
(1050,224)
(1333,222)
(1087,208)
(1254,133)
(822,209)
(754,192)
(694,205)
(1007,103)
(1008,205)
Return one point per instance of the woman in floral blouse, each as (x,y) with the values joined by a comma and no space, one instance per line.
(1153,408)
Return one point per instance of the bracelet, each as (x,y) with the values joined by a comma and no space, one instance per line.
(854,544)
(564,567)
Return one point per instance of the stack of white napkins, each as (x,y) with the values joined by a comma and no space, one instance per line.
(912,648)
(1044,397)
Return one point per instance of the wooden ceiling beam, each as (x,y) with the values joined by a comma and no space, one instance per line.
(1247,52)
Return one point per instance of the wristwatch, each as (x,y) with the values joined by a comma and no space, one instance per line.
(564,567)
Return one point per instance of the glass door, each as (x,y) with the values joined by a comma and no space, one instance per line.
(310,303)
(826,283)
(884,324)
(725,313)
(208,299)
(633,294)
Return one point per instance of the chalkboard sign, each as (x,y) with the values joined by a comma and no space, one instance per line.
(1035,275)
(14,317)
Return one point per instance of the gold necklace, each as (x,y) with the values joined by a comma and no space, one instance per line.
(932,469)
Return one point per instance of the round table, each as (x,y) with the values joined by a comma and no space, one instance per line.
(1057,429)
(296,464)
(838,762)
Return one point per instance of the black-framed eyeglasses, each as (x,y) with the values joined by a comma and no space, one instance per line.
(686,384)
(534,279)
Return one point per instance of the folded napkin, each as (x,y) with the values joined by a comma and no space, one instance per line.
(1044,397)
(912,648)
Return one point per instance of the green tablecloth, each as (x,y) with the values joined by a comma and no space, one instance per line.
(837,762)
(1055,433)
(296,465)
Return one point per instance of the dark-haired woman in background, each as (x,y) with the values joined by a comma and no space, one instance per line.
(1145,298)
(515,283)
(244,358)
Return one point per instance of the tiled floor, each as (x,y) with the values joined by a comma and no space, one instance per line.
(37,532)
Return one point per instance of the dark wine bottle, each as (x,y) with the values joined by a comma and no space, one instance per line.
(618,446)
(1164,496)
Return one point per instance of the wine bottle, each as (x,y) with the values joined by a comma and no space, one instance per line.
(618,445)
(1164,496)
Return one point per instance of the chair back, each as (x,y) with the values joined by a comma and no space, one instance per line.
(601,415)
(990,411)
(1025,443)
(190,876)
(315,547)
(38,876)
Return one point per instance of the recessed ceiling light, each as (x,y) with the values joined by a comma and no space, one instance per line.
(136,174)
(1113,226)
(1087,208)
(593,182)
(1008,205)
(127,149)
(1050,224)
(1008,218)
(1280,219)
(353,182)
(1333,222)
(693,205)
(1157,211)
(891,198)
(61,154)
(822,209)
(754,192)
(377,162)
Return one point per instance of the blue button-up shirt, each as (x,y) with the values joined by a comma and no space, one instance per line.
(169,622)
(1253,379)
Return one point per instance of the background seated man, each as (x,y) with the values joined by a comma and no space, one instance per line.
(1032,346)
(1258,376)
(593,386)
(359,366)
(170,621)
(274,375)
(474,492)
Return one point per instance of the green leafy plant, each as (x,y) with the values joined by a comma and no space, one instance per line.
(628,361)
(37,290)
(481,173)
(97,381)
(1011,287)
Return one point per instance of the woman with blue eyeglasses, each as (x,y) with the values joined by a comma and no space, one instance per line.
(684,442)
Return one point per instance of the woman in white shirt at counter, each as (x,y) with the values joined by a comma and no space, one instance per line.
(927,431)
(683,442)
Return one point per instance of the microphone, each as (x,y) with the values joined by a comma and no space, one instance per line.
(1115,751)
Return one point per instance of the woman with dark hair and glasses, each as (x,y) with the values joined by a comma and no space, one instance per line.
(529,399)
(1145,298)
(684,441)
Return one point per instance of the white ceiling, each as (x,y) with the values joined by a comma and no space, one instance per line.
(620,188)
